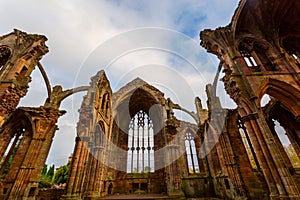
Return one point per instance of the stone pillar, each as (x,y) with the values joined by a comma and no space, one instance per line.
(82,167)
(270,159)
(172,148)
(231,165)
(73,168)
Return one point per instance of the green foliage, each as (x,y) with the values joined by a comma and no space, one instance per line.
(61,174)
(45,182)
(44,172)
(47,177)
(10,159)
(293,156)
(143,174)
(50,172)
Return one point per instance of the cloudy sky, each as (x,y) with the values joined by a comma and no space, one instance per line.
(156,40)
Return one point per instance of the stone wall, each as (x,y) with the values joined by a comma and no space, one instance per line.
(50,194)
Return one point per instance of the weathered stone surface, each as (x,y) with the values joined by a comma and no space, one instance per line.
(258,60)
(236,153)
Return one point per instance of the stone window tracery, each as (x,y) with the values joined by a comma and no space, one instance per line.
(140,156)
(248,145)
(191,153)
(250,61)
(105,104)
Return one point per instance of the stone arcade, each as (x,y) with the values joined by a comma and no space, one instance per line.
(130,142)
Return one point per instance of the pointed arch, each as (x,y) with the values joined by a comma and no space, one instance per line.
(135,96)
(247,144)
(288,95)
(99,134)
(15,138)
(191,151)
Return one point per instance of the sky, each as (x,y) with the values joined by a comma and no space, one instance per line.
(156,40)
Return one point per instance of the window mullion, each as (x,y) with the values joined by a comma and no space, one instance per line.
(132,147)
(141,143)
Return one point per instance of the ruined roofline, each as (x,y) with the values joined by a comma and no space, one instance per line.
(18,32)
(133,85)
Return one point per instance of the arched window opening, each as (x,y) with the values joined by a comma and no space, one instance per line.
(246,49)
(104,98)
(99,135)
(250,61)
(248,145)
(11,151)
(140,156)
(191,153)
(265,100)
(286,143)
(106,108)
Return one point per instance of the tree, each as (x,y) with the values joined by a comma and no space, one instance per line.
(61,174)
(47,177)
(10,159)
(293,156)
(44,172)
(50,172)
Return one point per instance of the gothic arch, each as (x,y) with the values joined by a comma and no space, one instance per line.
(128,90)
(275,111)
(134,102)
(192,145)
(288,95)
(136,96)
(99,134)
(244,107)
(272,20)
(16,136)
(18,120)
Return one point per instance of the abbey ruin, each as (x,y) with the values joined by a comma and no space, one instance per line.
(130,141)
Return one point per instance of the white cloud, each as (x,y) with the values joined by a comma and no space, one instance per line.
(75,28)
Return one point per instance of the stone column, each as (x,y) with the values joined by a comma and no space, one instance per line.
(172,148)
(270,159)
